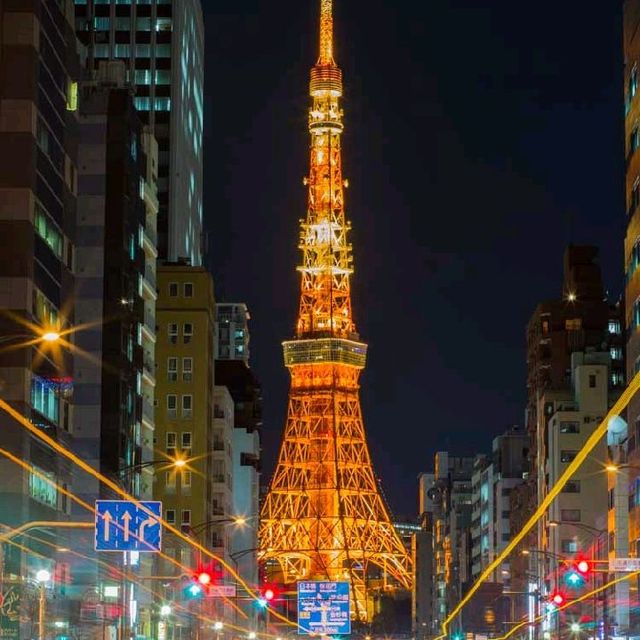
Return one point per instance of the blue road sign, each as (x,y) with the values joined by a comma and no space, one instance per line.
(124,526)
(323,608)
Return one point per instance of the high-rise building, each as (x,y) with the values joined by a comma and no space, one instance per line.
(451,501)
(233,331)
(161,43)
(324,515)
(38,208)
(576,522)
(629,452)
(493,480)
(580,320)
(115,298)
(193,419)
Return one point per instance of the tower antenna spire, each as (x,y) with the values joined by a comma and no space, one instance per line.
(326,34)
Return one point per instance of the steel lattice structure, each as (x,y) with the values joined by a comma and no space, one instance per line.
(323,516)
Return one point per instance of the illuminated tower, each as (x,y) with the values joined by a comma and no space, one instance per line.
(324,516)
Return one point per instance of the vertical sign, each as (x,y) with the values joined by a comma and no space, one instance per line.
(323,608)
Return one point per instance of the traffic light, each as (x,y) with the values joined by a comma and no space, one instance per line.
(267,594)
(193,590)
(204,578)
(557,598)
(578,574)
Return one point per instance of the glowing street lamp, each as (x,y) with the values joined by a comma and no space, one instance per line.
(165,610)
(51,336)
(42,577)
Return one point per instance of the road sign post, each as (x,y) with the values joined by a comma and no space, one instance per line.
(121,525)
(323,608)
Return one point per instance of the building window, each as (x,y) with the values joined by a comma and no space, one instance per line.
(614,327)
(567,456)
(569,546)
(173,289)
(48,231)
(569,427)
(573,324)
(187,332)
(170,516)
(617,378)
(616,353)
(186,516)
(592,381)
(44,398)
(188,290)
(633,82)
(570,515)
(186,478)
(173,332)
(187,369)
(611,497)
(187,406)
(573,486)
(172,405)
(172,369)
(172,442)
(635,196)
(170,480)
(186,440)
(41,489)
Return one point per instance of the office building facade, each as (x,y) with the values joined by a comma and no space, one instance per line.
(233,331)
(38,207)
(161,43)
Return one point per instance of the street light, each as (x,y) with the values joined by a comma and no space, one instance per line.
(42,577)
(252,635)
(217,627)
(165,610)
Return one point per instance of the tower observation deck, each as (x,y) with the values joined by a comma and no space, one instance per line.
(324,517)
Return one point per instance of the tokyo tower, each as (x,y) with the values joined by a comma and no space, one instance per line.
(323,517)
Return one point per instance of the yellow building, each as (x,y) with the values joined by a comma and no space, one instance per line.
(184,411)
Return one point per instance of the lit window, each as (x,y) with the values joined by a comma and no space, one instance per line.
(172,369)
(573,324)
(187,406)
(616,353)
(187,369)
(41,490)
(569,546)
(633,82)
(171,479)
(617,378)
(44,398)
(163,24)
(48,231)
(614,327)
(186,516)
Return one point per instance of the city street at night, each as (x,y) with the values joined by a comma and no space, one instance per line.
(319,319)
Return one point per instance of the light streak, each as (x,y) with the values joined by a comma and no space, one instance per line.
(588,447)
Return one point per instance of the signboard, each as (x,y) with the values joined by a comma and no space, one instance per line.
(323,608)
(123,526)
(10,612)
(624,564)
(221,591)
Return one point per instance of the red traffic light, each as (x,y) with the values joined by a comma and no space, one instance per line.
(269,594)
(583,567)
(558,598)
(204,577)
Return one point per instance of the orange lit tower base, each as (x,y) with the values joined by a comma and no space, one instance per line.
(323,517)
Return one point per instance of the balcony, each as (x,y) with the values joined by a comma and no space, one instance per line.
(149,240)
(149,326)
(148,195)
(147,411)
(148,284)
(149,368)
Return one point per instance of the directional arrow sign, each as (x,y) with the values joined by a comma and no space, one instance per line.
(128,526)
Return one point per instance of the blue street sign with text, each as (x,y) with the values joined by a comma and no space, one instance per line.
(323,608)
(125,526)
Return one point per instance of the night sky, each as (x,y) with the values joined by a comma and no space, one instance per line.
(482,136)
